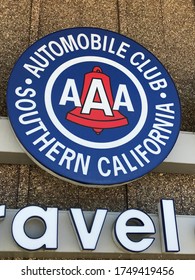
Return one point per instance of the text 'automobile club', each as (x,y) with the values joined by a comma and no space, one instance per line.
(93,107)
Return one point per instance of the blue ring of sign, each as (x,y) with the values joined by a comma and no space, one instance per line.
(93,107)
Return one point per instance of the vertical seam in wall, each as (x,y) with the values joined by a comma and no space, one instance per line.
(127,197)
(163,25)
(23,186)
(18,185)
(29,185)
(193,97)
(23,191)
(29,31)
(34,21)
(118,16)
(194,108)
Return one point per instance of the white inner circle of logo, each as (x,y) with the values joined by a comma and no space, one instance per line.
(70,135)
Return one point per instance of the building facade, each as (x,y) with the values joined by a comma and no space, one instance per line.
(164,27)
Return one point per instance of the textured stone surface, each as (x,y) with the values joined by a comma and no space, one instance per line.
(34,22)
(14,34)
(186,89)
(23,186)
(9,178)
(179,32)
(77,13)
(143,22)
(113,199)
(148,191)
(46,190)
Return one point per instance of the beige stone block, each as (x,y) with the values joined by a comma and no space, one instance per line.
(186,92)
(47,190)
(155,186)
(143,22)
(111,198)
(188,196)
(14,34)
(59,14)
(9,176)
(145,193)
(179,32)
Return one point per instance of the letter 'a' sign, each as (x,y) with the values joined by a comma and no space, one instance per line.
(93,107)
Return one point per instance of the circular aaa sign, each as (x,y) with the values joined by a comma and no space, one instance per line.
(93,107)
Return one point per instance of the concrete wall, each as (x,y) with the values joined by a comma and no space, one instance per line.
(166,28)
